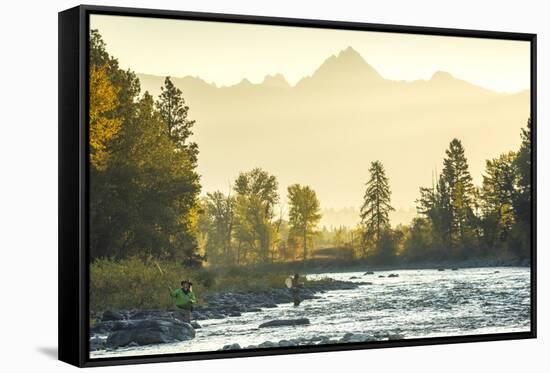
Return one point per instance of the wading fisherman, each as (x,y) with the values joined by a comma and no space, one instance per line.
(184,299)
(295,289)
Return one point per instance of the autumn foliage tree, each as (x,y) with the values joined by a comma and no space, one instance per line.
(143,185)
(256,197)
(304,213)
(103,125)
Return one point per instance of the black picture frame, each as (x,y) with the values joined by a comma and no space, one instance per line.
(74,188)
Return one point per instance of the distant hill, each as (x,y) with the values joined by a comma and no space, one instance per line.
(325,130)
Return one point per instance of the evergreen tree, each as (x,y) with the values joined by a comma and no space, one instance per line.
(434,205)
(304,213)
(174,112)
(497,198)
(522,199)
(457,181)
(376,204)
(521,232)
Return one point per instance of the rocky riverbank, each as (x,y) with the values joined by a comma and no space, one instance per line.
(127,328)
(319,340)
(358,266)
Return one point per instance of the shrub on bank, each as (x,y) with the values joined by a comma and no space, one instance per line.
(137,283)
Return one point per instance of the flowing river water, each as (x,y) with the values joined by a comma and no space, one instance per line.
(417,303)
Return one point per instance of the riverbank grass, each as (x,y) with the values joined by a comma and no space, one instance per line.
(137,283)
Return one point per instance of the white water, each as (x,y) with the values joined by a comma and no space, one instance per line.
(418,303)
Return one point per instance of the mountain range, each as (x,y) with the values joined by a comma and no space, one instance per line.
(326,129)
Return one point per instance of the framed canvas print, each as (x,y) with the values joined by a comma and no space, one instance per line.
(234,186)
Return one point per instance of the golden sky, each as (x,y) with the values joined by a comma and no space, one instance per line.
(225,53)
(346,127)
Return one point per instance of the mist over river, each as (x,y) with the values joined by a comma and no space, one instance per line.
(417,303)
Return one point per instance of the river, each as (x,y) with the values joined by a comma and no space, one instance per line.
(418,303)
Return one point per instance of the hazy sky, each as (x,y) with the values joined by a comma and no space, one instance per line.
(411,145)
(225,53)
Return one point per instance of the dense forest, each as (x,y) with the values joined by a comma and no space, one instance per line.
(145,196)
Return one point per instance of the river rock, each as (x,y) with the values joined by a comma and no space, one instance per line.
(97,343)
(234,346)
(112,316)
(146,332)
(102,327)
(393,275)
(355,338)
(359,338)
(321,339)
(149,314)
(369,273)
(346,336)
(288,322)
(216,315)
(267,344)
(286,343)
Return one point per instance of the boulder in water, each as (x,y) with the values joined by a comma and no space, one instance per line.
(112,316)
(288,322)
(393,275)
(97,343)
(234,346)
(346,337)
(146,332)
(286,343)
(355,338)
(267,344)
(369,273)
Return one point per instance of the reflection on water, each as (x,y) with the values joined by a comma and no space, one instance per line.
(418,303)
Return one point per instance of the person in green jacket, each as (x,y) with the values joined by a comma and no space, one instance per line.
(184,299)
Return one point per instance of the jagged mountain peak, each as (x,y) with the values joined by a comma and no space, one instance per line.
(275,80)
(346,66)
(350,54)
(442,75)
